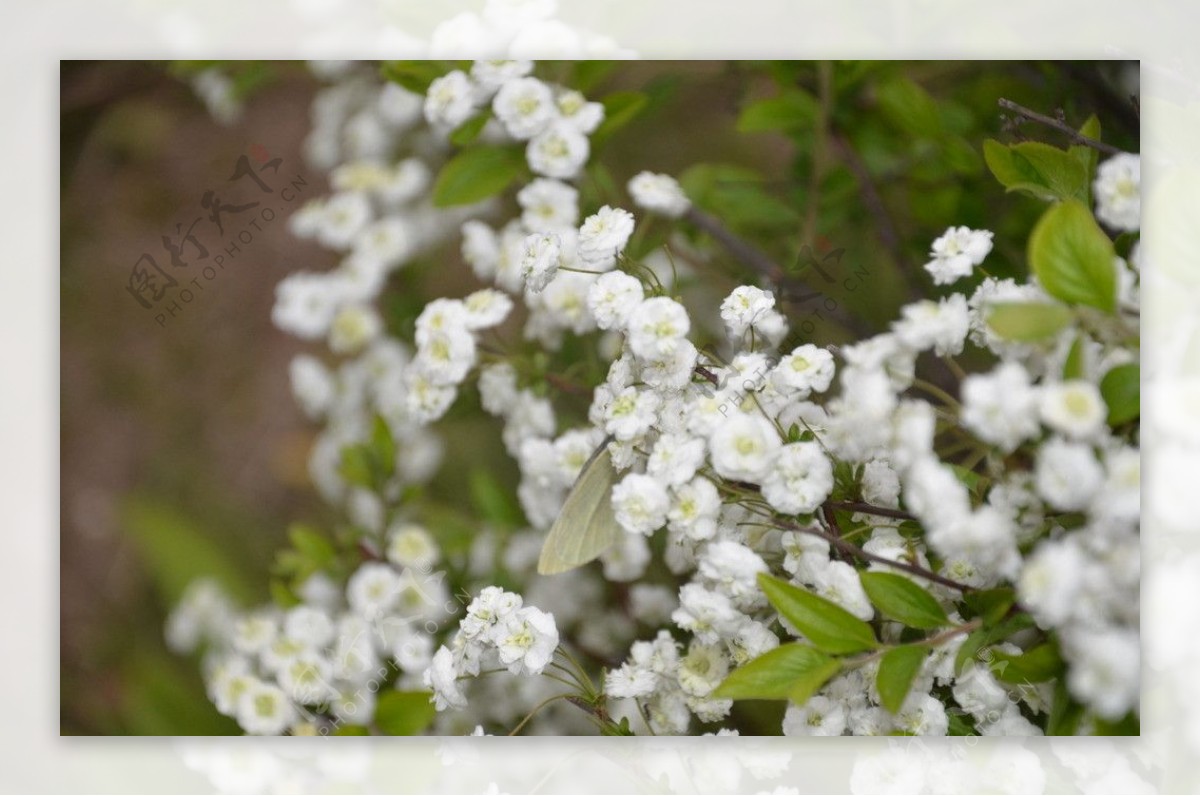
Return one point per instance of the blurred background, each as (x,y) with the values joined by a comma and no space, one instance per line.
(182,451)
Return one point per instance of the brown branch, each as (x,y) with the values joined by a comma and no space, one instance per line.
(867,508)
(835,539)
(1056,124)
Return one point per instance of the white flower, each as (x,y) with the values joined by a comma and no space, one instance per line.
(1118,192)
(658,329)
(702,669)
(631,413)
(800,479)
(630,682)
(743,448)
(411,545)
(820,715)
(603,236)
(490,75)
(492,605)
(577,112)
(985,538)
(838,582)
(1051,580)
(956,252)
(560,151)
(940,325)
(1068,475)
(447,355)
(540,255)
(732,568)
(312,384)
(694,509)
(480,248)
(526,640)
(1000,407)
(658,193)
(442,678)
(806,370)
(548,205)
(265,709)
(923,714)
(675,458)
(626,560)
(304,305)
(1104,670)
(742,309)
(450,100)
(498,388)
(640,503)
(486,308)
(308,625)
(613,297)
(373,589)
(353,328)
(707,614)
(525,107)
(1073,408)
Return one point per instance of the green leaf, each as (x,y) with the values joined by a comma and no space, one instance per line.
(351,730)
(909,107)
(312,544)
(1027,321)
(1065,712)
(469,130)
(990,605)
(779,673)
(1037,169)
(492,501)
(1037,665)
(896,672)
(283,596)
(404,712)
(620,108)
(901,600)
(383,448)
(791,111)
(476,174)
(1073,366)
(1072,257)
(981,638)
(1122,393)
(415,75)
(355,467)
(1086,155)
(828,626)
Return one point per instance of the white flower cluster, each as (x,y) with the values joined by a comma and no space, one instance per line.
(728,463)
(322,664)
(498,631)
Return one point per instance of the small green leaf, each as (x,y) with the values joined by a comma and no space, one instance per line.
(1072,257)
(282,595)
(469,130)
(404,712)
(383,448)
(981,638)
(1065,712)
(351,729)
(901,600)
(1027,321)
(1037,665)
(779,673)
(828,626)
(1086,155)
(1037,169)
(897,669)
(476,174)
(620,108)
(790,111)
(990,605)
(316,549)
(1073,366)
(355,467)
(415,75)
(1122,393)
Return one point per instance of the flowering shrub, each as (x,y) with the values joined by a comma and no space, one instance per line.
(855,536)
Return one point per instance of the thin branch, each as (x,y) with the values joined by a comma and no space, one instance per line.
(744,252)
(867,508)
(1057,124)
(834,538)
